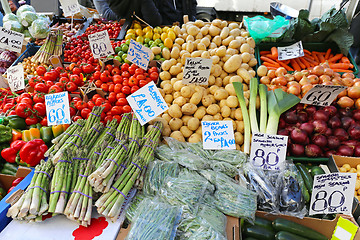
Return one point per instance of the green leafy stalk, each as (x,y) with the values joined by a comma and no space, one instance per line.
(252,105)
(263,107)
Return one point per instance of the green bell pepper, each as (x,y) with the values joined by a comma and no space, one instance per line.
(5,134)
(15,122)
(46,134)
(38,126)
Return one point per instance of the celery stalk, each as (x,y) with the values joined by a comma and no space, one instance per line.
(252,105)
(263,107)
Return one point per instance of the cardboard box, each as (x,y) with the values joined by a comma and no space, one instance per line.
(232,229)
(7,180)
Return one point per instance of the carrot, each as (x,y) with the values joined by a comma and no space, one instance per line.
(341,65)
(315,57)
(310,60)
(331,55)
(345,60)
(267,64)
(272,68)
(271,57)
(306,63)
(266,59)
(307,51)
(288,68)
(342,70)
(274,51)
(336,57)
(294,64)
(264,52)
(300,63)
(327,54)
(286,61)
(309,56)
(321,57)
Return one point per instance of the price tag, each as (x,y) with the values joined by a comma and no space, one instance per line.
(147,103)
(322,95)
(344,230)
(268,151)
(138,54)
(218,135)
(197,71)
(15,77)
(57,108)
(100,44)
(11,40)
(70,7)
(289,52)
(333,193)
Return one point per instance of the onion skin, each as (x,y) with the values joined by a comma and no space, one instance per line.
(334,122)
(331,110)
(329,153)
(313,150)
(357,151)
(341,134)
(347,122)
(321,115)
(297,150)
(307,127)
(298,136)
(319,140)
(344,150)
(320,126)
(333,142)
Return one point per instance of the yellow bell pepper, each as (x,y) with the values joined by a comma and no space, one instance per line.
(34,133)
(26,136)
(57,130)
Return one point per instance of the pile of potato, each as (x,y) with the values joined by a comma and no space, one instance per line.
(347,168)
(232,51)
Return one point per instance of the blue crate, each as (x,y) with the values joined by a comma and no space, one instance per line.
(31,49)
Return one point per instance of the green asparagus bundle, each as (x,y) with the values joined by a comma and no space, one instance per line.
(89,137)
(58,49)
(94,117)
(125,123)
(109,204)
(136,134)
(107,134)
(34,202)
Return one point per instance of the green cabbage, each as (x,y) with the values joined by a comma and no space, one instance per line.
(25,8)
(26,18)
(10,17)
(44,17)
(39,28)
(27,33)
(14,25)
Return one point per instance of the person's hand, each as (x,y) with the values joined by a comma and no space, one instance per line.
(12,5)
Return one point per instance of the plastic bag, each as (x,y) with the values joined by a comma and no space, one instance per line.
(224,167)
(131,211)
(197,149)
(155,219)
(190,160)
(234,157)
(260,27)
(189,174)
(175,145)
(164,153)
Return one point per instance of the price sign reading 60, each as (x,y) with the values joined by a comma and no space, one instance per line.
(57,108)
(322,95)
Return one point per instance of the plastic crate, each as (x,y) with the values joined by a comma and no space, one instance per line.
(31,49)
(321,47)
(308,160)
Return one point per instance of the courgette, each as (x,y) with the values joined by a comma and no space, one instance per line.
(10,167)
(316,170)
(7,172)
(308,180)
(258,232)
(281,224)
(282,235)
(264,223)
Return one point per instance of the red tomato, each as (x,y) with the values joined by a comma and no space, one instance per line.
(105,76)
(64,80)
(117,117)
(31,120)
(139,71)
(126,90)
(111,87)
(104,87)
(87,68)
(77,118)
(7,107)
(55,89)
(12,112)
(85,112)
(117,79)
(80,105)
(134,89)
(120,95)
(40,109)
(99,101)
(96,96)
(27,100)
(109,67)
(133,81)
(132,69)
(154,76)
(142,83)
(44,121)
(108,118)
(140,77)
(75,99)
(76,70)
(49,83)
(124,67)
(40,70)
(60,85)
(153,69)
(41,87)
(71,87)
(125,74)
(116,70)
(90,104)
(121,102)
(107,107)
(116,110)
(75,79)
(126,109)
(112,97)
(72,111)
(51,76)
(39,98)
(96,75)
(23,110)
(117,88)
(98,83)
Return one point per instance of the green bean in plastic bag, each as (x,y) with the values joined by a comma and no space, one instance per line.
(190,160)
(164,153)
(234,157)
(224,167)
(131,211)
(197,149)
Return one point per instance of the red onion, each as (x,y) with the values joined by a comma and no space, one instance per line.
(345,112)
(302,116)
(347,122)
(332,110)
(297,149)
(319,140)
(333,142)
(334,122)
(321,115)
(356,114)
(282,123)
(283,132)
(298,136)
(354,131)
(307,127)
(320,126)
(344,150)
(299,107)
(328,132)
(329,153)
(310,110)
(341,134)
(351,143)
(313,150)
(290,117)
(357,151)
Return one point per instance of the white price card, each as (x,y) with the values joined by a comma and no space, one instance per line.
(218,135)
(333,193)
(57,108)
(197,71)
(138,54)
(11,40)
(289,52)
(15,77)
(322,95)
(268,151)
(100,44)
(147,103)
(70,7)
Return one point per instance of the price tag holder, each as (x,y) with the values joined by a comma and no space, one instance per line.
(197,71)
(138,54)
(11,40)
(147,103)
(70,7)
(289,52)
(15,77)
(268,151)
(322,95)
(218,135)
(333,193)
(344,230)
(57,108)
(100,44)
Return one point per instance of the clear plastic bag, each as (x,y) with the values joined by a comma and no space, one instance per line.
(155,219)
(190,160)
(224,167)
(176,145)
(131,211)
(234,157)
(164,153)
(197,149)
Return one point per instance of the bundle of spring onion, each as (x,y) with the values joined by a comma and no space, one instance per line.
(51,47)
(34,202)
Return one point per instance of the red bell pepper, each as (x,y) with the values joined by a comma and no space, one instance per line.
(9,154)
(33,151)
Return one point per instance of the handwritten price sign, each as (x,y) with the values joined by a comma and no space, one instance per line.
(197,71)
(57,108)
(268,151)
(70,7)
(333,193)
(322,95)
(147,103)
(218,135)
(138,54)
(289,52)
(15,76)
(100,44)
(11,40)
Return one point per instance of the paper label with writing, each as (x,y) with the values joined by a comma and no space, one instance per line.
(322,95)
(147,103)
(138,54)
(11,40)
(344,230)
(15,77)
(100,44)
(268,151)
(218,135)
(57,108)
(289,52)
(70,7)
(333,193)
(197,71)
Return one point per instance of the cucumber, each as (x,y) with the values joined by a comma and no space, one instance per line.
(264,223)
(10,167)
(316,170)
(7,172)
(282,235)
(298,229)
(308,180)
(258,232)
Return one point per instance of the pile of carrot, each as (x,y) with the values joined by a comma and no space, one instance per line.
(337,61)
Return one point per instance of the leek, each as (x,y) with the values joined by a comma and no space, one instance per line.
(252,105)
(263,107)
(278,103)
(240,94)
(6,6)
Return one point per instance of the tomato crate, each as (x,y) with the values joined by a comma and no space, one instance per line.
(31,49)
(321,47)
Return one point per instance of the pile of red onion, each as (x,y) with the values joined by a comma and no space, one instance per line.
(321,131)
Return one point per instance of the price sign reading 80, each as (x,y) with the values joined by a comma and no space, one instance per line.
(57,108)
(271,159)
(322,95)
(100,44)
